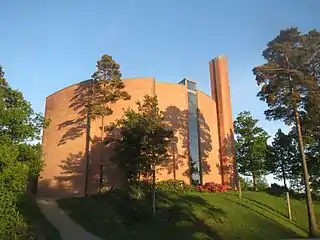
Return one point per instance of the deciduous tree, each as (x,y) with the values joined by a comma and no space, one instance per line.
(251,147)
(18,121)
(284,162)
(19,125)
(144,141)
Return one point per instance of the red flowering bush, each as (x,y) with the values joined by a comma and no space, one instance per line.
(213,187)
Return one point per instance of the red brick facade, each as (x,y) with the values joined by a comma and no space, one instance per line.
(64,142)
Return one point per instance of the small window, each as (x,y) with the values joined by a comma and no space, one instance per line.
(192,86)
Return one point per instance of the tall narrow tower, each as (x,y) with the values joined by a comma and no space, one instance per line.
(220,92)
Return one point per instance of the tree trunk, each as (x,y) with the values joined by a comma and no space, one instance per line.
(284,176)
(239,188)
(101,156)
(254,181)
(87,153)
(287,190)
(311,215)
(174,165)
(289,205)
(153,191)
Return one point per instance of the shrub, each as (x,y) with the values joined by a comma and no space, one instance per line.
(180,186)
(276,190)
(213,187)
(174,185)
(13,179)
(131,201)
(136,191)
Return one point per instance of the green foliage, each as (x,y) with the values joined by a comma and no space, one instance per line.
(32,156)
(284,158)
(251,146)
(13,179)
(128,143)
(136,191)
(18,121)
(12,223)
(141,139)
(107,88)
(19,124)
(143,143)
(247,185)
(157,135)
(285,83)
(174,185)
(313,157)
(262,184)
(289,85)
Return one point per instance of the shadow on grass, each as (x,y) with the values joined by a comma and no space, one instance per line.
(121,215)
(282,230)
(268,208)
(117,216)
(265,207)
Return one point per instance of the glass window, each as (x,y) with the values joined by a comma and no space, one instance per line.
(191,85)
(193,139)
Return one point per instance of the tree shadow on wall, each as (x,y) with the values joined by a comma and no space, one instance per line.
(72,177)
(70,181)
(76,127)
(227,166)
(101,155)
(205,143)
(46,189)
(177,119)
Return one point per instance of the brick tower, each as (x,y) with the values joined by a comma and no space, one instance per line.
(220,92)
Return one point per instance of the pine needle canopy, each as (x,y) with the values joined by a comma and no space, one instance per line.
(289,78)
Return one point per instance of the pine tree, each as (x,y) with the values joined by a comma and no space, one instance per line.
(106,89)
(286,86)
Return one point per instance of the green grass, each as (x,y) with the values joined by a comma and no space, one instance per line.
(39,226)
(189,216)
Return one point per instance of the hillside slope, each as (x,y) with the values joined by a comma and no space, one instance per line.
(190,216)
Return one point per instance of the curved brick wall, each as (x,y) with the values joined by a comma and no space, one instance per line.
(173,102)
(64,140)
(64,143)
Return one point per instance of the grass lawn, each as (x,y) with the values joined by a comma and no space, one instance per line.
(189,216)
(39,226)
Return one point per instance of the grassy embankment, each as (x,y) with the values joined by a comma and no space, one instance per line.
(190,216)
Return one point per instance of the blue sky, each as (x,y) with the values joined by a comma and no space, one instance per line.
(47,45)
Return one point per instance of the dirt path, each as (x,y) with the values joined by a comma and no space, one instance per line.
(68,229)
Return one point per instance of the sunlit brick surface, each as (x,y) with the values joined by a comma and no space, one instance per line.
(64,142)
